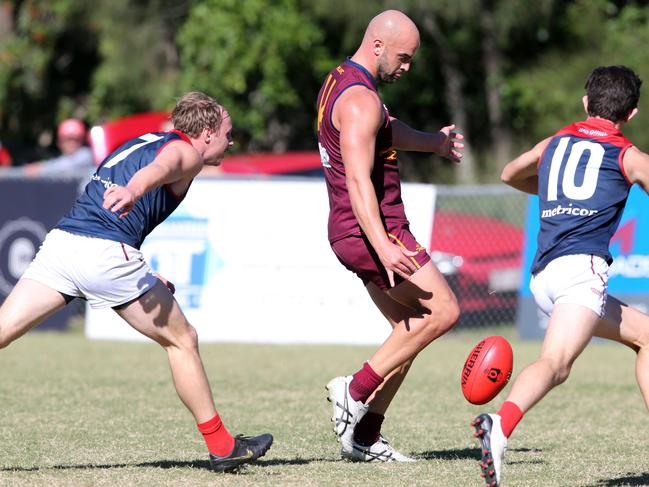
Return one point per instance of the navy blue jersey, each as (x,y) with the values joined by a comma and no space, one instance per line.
(582,191)
(88,217)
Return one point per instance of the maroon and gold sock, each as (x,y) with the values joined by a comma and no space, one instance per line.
(219,441)
(364,383)
(510,415)
(368,429)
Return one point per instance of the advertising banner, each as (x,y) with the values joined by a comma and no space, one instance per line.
(628,275)
(251,262)
(31,207)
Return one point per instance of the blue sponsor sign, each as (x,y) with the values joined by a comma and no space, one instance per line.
(628,275)
(31,208)
(179,249)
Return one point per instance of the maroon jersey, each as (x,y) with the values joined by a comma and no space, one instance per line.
(385,173)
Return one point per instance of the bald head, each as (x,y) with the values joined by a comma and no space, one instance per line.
(389,44)
(391,26)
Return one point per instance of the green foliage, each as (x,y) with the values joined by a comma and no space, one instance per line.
(265,62)
(40,65)
(258,60)
(547,96)
(139,67)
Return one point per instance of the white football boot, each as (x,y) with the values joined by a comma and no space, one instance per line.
(346,412)
(493,445)
(381,451)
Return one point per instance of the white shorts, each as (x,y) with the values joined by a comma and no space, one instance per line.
(104,272)
(577,279)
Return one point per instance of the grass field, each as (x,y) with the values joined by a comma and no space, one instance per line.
(81,413)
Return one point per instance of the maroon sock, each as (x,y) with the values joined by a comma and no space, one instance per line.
(368,429)
(364,383)
(510,415)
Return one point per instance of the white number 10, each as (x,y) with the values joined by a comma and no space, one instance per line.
(591,173)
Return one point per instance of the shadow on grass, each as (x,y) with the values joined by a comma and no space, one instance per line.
(167,464)
(159,464)
(453,454)
(470,454)
(641,479)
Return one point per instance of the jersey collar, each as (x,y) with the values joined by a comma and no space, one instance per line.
(363,70)
(603,125)
(182,135)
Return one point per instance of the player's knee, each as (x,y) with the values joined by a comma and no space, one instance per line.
(440,320)
(182,338)
(446,316)
(188,338)
(644,348)
(559,369)
(452,314)
(641,343)
(561,374)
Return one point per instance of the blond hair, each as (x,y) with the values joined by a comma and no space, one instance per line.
(196,111)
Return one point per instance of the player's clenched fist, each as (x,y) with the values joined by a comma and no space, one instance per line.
(119,199)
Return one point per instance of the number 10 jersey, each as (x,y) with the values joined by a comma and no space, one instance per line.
(582,191)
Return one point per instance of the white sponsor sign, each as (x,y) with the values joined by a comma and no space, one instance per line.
(252,263)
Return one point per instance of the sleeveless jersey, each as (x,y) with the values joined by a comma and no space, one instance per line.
(385,173)
(88,217)
(582,191)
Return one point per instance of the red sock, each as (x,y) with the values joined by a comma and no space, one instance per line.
(219,441)
(364,383)
(368,429)
(510,415)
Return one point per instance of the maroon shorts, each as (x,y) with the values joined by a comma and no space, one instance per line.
(357,255)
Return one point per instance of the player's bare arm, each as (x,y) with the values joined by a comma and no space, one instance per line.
(359,115)
(176,165)
(521,172)
(446,143)
(636,167)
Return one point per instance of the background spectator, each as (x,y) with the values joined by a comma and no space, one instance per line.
(75,159)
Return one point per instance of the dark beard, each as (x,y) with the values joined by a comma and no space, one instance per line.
(385,77)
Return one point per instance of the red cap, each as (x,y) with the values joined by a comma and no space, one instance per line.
(71,127)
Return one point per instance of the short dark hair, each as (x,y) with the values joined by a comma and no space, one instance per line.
(613,91)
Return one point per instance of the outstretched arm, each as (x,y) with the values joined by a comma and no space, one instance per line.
(446,142)
(521,172)
(177,162)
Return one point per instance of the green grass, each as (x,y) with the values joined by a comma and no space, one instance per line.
(76,412)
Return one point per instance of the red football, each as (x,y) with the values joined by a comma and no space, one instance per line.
(487,369)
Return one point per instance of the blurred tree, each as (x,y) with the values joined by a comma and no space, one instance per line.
(507,72)
(6,34)
(487,33)
(43,74)
(139,67)
(547,95)
(94,61)
(262,61)
(454,83)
